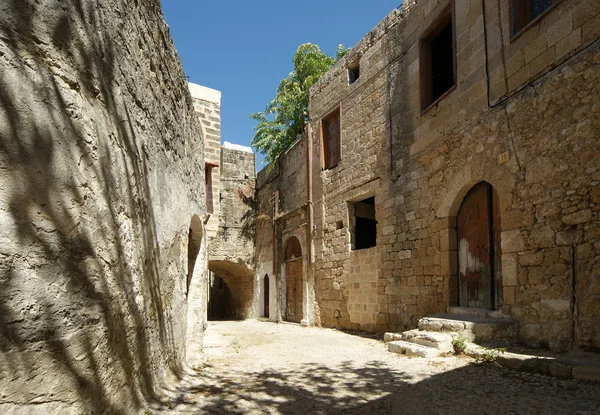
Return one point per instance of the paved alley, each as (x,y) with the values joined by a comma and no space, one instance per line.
(254,367)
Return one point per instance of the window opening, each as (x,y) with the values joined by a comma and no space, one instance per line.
(365,225)
(209,186)
(330,127)
(438,62)
(524,12)
(353,73)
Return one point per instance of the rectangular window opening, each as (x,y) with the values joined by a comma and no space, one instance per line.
(365,226)
(353,73)
(330,131)
(524,12)
(437,60)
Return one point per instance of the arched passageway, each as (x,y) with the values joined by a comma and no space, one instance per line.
(195,288)
(231,291)
(479,249)
(294,280)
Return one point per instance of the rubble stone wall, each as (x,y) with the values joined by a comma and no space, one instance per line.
(100,159)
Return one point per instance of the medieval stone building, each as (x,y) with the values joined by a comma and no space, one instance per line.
(451,162)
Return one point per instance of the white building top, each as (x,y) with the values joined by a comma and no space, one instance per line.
(238,147)
(204,93)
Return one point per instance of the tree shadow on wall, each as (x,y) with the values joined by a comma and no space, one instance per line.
(81,298)
(374,388)
(247,194)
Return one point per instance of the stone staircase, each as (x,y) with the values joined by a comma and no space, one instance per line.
(435,334)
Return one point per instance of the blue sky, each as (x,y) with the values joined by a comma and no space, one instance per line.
(244,48)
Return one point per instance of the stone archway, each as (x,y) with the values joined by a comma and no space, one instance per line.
(479,251)
(195,288)
(231,291)
(502,181)
(294,280)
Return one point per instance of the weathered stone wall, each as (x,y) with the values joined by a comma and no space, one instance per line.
(419,165)
(282,197)
(207,104)
(231,252)
(100,160)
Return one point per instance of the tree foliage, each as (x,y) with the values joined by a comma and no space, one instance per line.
(283,118)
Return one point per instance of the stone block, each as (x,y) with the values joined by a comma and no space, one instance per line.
(542,237)
(443,223)
(581,216)
(449,263)
(512,241)
(448,240)
(509,295)
(518,218)
(560,370)
(586,373)
(510,269)
(528,260)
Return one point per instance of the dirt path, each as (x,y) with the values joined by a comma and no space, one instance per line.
(266,368)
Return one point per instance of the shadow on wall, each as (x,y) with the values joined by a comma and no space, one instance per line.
(82,315)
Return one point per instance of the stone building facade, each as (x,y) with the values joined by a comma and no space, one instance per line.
(103,253)
(229,185)
(452,160)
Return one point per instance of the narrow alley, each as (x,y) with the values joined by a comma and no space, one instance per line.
(254,367)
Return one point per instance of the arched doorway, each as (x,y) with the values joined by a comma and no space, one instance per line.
(194,242)
(479,252)
(293,274)
(266,296)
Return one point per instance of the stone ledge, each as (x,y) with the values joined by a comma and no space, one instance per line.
(547,366)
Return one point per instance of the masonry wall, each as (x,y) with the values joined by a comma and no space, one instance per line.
(282,200)
(534,138)
(231,252)
(100,156)
(207,105)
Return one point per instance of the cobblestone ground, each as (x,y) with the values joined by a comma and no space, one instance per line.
(255,367)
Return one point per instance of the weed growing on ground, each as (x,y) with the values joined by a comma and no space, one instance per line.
(489,355)
(235,345)
(460,345)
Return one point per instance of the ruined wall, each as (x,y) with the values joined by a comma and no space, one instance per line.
(100,160)
(207,104)
(534,139)
(231,252)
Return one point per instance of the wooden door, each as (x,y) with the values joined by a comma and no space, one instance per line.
(478,256)
(266,296)
(294,290)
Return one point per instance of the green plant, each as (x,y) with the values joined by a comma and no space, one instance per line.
(460,345)
(489,355)
(235,345)
(284,117)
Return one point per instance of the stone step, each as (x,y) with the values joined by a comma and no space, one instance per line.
(475,328)
(389,337)
(437,340)
(478,312)
(412,349)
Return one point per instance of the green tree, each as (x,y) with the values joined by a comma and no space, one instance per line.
(283,118)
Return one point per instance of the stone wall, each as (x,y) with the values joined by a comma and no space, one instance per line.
(282,196)
(100,156)
(207,104)
(231,252)
(534,138)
